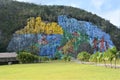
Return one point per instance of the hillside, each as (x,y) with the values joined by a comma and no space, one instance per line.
(13,16)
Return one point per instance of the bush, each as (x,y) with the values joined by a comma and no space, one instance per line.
(83,56)
(25,57)
(66,58)
(96,57)
(69,58)
(93,57)
(37,58)
(44,58)
(58,55)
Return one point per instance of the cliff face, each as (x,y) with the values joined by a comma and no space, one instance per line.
(21,42)
(76,34)
(92,31)
(45,45)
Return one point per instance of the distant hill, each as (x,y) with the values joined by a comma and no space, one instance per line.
(13,16)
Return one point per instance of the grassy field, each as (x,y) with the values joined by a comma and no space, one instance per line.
(57,71)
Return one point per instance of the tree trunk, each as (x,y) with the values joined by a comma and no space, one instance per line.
(115,63)
(105,63)
(96,63)
(111,64)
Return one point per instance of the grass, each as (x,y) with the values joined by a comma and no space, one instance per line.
(57,71)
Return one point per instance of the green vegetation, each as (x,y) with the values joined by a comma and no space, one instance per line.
(66,57)
(97,57)
(57,71)
(83,56)
(111,55)
(13,16)
(27,57)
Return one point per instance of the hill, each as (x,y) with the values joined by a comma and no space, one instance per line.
(14,14)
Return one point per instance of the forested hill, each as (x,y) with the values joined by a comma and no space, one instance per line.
(13,16)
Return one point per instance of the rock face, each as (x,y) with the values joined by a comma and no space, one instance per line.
(97,38)
(47,44)
(21,42)
(78,36)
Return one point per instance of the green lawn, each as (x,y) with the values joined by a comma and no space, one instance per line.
(57,71)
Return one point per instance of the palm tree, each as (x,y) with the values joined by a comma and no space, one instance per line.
(115,54)
(95,57)
(110,56)
(105,57)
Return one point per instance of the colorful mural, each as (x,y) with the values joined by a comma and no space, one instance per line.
(99,40)
(48,44)
(66,37)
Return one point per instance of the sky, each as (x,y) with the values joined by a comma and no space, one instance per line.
(107,9)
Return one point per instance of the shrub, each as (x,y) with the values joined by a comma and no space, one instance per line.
(96,57)
(44,58)
(83,56)
(58,55)
(37,58)
(66,58)
(69,58)
(25,57)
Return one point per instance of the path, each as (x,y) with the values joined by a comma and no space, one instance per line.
(98,64)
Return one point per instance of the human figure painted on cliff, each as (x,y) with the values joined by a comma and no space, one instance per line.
(95,45)
(100,45)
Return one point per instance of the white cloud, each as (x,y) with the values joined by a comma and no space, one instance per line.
(74,5)
(97,3)
(113,17)
(21,0)
(24,0)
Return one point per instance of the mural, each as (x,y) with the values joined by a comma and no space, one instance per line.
(38,37)
(48,44)
(67,37)
(99,40)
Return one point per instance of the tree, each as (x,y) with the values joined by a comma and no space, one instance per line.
(108,56)
(115,54)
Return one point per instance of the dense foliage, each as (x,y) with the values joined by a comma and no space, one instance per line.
(111,55)
(25,57)
(14,14)
(66,57)
(83,56)
(96,57)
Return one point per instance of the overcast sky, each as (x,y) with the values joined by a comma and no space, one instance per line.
(108,9)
